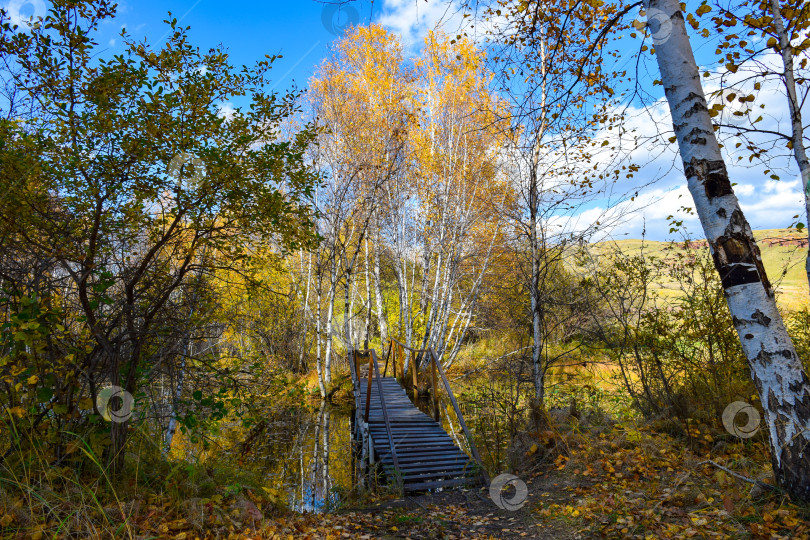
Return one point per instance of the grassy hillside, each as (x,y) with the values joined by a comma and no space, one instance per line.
(783,252)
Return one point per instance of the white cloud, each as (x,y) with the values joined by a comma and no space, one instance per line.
(412,20)
(766,203)
(226,111)
(744,190)
(20,12)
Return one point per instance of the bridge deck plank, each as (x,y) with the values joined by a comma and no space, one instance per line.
(428,457)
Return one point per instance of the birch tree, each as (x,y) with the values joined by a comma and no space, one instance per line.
(360,97)
(784,37)
(460,190)
(560,100)
(763,45)
(777,372)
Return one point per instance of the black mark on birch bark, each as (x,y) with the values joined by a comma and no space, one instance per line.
(763,358)
(695,108)
(761,318)
(737,258)
(773,403)
(696,136)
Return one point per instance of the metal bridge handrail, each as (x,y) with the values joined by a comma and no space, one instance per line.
(410,348)
(473,449)
(374,365)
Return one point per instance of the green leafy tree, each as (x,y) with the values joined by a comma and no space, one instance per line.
(126,176)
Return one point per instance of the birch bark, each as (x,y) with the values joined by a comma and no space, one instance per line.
(783,387)
(367,303)
(318,357)
(381,315)
(797,130)
(330,312)
(305,312)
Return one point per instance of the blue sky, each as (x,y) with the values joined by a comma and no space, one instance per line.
(249,30)
(302,31)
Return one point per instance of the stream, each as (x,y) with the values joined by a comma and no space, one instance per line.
(305,454)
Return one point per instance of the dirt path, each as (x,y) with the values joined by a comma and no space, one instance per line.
(468,513)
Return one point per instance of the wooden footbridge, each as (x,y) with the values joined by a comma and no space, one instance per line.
(415,452)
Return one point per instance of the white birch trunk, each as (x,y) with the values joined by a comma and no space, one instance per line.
(409,307)
(381,316)
(538,373)
(783,387)
(367,303)
(330,312)
(348,302)
(318,358)
(187,347)
(301,362)
(797,129)
(404,308)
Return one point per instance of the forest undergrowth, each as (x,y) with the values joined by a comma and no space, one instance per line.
(592,468)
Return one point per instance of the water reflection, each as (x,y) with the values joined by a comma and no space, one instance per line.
(306,454)
(485,423)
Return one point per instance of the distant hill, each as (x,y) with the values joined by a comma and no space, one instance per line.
(783,253)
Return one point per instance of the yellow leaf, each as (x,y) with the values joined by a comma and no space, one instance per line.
(771,42)
(33,379)
(19,412)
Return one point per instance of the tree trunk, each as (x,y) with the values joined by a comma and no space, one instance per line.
(381,315)
(318,358)
(348,302)
(783,387)
(797,130)
(302,364)
(118,440)
(367,303)
(178,392)
(330,313)
(538,373)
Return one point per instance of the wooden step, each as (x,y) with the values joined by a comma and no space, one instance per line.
(424,486)
(427,456)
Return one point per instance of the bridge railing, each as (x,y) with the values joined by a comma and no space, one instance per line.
(435,367)
(374,373)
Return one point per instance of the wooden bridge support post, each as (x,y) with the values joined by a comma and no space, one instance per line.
(414,369)
(393,357)
(368,388)
(434,389)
